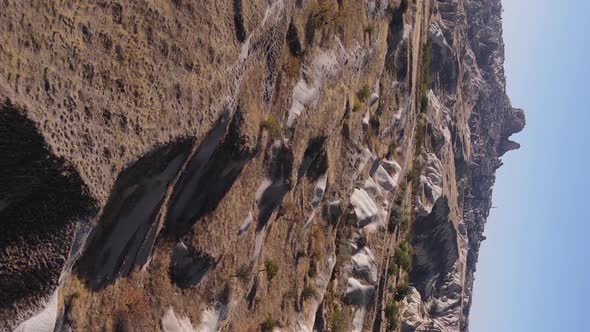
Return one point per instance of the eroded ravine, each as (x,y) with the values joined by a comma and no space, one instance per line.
(127,228)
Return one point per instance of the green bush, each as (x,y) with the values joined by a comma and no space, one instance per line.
(308,293)
(420,135)
(425,73)
(424,102)
(391,314)
(268,325)
(402,291)
(392,269)
(403,256)
(271,269)
(394,217)
(398,218)
(357,107)
(406,247)
(404,224)
(272,125)
(364,93)
(413,175)
(420,139)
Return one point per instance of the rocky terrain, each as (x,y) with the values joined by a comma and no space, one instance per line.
(247,165)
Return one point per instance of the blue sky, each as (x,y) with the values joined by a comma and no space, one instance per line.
(534,267)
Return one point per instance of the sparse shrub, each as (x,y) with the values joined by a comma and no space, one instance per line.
(403,256)
(391,289)
(291,294)
(271,269)
(370,29)
(268,325)
(412,175)
(308,293)
(391,314)
(394,218)
(398,218)
(426,57)
(356,107)
(425,83)
(405,246)
(272,125)
(404,224)
(290,297)
(337,320)
(423,102)
(402,291)
(420,136)
(73,296)
(344,251)
(418,149)
(392,269)
(364,93)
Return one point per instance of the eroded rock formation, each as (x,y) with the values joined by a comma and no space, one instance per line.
(247,165)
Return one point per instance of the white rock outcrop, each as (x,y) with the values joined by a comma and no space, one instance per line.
(363,265)
(429,185)
(172,323)
(43,321)
(364,206)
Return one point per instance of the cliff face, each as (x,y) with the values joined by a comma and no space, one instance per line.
(248,165)
(468,34)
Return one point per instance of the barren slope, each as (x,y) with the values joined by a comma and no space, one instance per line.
(247,165)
